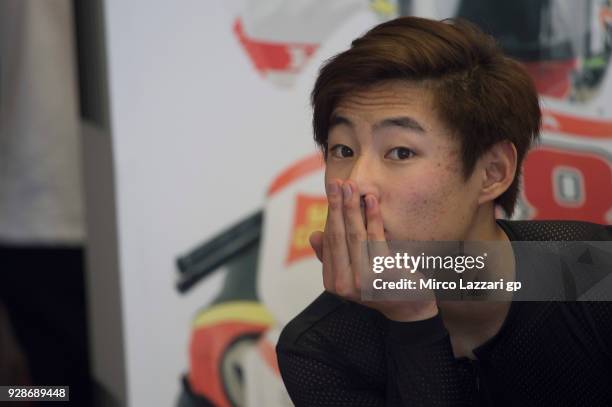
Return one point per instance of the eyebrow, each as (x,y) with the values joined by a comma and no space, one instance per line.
(404,122)
(337,120)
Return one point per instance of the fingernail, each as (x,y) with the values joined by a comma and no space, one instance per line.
(332,188)
(346,189)
(370,202)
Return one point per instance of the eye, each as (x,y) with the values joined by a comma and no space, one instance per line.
(400,153)
(341,151)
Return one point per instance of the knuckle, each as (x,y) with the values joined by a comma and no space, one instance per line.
(334,204)
(355,236)
(348,204)
(335,237)
(372,235)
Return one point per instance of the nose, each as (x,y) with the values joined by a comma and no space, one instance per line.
(364,174)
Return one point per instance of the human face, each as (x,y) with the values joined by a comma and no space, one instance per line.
(389,141)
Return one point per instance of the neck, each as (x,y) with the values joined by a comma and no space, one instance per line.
(481,319)
(484,227)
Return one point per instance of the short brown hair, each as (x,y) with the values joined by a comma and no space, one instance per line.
(483,96)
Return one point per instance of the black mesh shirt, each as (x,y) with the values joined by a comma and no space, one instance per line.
(340,353)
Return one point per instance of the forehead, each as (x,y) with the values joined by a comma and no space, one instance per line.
(389,99)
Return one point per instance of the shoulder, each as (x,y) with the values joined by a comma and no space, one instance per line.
(339,333)
(333,321)
(591,321)
(556,230)
(310,318)
(594,317)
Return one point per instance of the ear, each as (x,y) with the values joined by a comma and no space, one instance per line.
(498,170)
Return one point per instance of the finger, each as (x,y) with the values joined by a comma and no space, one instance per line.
(356,235)
(328,271)
(377,244)
(336,239)
(316,242)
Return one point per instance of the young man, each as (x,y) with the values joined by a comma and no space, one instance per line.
(424,126)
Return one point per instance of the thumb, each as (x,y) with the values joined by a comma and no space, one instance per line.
(316,241)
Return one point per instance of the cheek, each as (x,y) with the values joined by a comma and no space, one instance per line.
(417,197)
(423,201)
(422,210)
